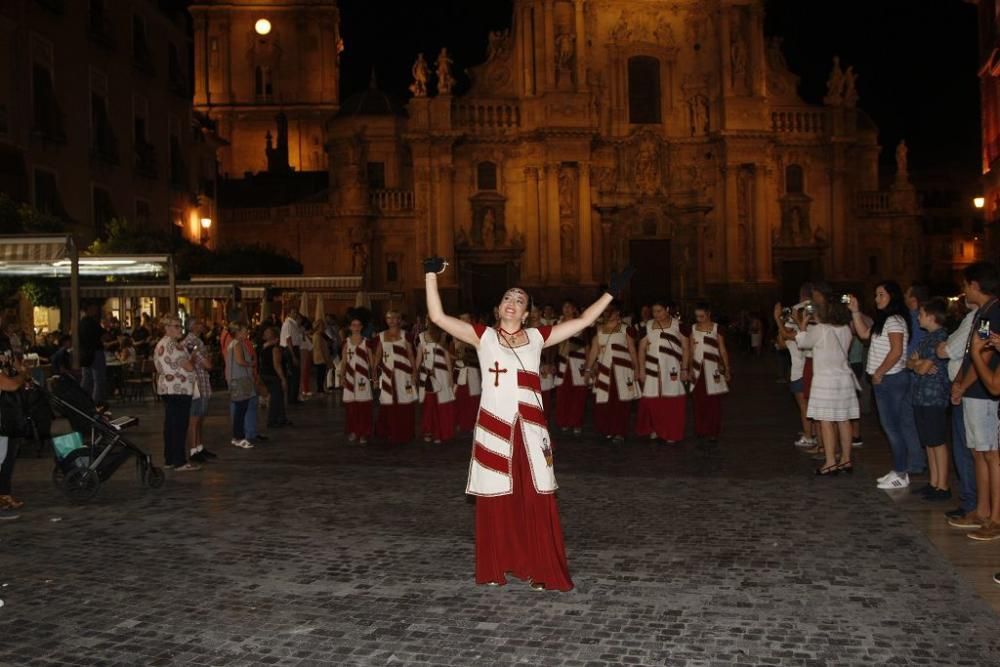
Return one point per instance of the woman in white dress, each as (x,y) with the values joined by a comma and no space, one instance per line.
(833,399)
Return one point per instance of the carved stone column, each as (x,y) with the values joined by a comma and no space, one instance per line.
(532,239)
(581,39)
(585,243)
(730,241)
(550,41)
(551,271)
(226,53)
(446,218)
(762,224)
(527,39)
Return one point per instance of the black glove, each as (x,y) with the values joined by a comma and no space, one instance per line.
(434,264)
(620,280)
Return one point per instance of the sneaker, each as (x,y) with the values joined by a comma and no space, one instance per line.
(244,443)
(187,467)
(956,513)
(8,514)
(896,482)
(10,502)
(886,477)
(996,577)
(989,532)
(351,437)
(805,441)
(968,521)
(857,442)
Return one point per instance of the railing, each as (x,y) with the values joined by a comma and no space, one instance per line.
(799,121)
(246,214)
(311,210)
(486,116)
(392,200)
(877,202)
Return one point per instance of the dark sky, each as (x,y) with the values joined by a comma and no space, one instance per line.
(916,59)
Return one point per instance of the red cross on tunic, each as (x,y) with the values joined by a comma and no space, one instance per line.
(496,370)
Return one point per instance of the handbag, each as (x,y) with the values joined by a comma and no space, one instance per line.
(241,388)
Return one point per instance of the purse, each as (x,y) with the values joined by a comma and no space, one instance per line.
(241,388)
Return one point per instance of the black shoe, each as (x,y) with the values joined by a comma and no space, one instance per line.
(938,495)
(956,513)
(996,577)
(211,455)
(199,457)
(922,491)
(261,436)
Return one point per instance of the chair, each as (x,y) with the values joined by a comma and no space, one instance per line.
(139,376)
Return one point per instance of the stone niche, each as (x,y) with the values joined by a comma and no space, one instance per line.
(489,228)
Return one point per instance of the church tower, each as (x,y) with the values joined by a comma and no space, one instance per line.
(267,68)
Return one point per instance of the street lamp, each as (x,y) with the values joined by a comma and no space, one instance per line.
(262,27)
(979,202)
(206,223)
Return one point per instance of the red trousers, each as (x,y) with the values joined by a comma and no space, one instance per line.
(707,411)
(467,408)
(358,418)
(437,420)
(520,533)
(663,415)
(396,422)
(571,404)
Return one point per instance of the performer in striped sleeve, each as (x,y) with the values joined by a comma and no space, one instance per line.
(397,383)
(355,369)
(436,387)
(710,373)
(517,520)
(615,387)
(571,385)
(664,359)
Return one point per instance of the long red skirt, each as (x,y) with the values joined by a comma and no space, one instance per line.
(611,418)
(437,420)
(396,422)
(663,415)
(358,420)
(571,404)
(707,411)
(520,533)
(306,373)
(466,408)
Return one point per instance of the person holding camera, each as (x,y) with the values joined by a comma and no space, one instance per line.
(833,399)
(175,379)
(889,335)
(12,380)
(787,330)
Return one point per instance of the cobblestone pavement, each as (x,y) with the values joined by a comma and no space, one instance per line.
(310,551)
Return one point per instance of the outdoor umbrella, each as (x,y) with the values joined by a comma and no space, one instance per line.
(320,312)
(304,306)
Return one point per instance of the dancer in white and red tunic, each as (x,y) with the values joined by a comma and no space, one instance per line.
(355,369)
(611,362)
(517,520)
(397,383)
(468,382)
(571,385)
(436,387)
(664,359)
(710,373)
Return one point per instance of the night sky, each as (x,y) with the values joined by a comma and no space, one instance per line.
(916,59)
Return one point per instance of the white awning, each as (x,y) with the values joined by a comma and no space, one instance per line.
(138,290)
(312,283)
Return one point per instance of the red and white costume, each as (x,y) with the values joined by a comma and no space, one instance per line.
(436,392)
(663,406)
(397,394)
(357,388)
(571,385)
(468,387)
(615,386)
(708,376)
(517,520)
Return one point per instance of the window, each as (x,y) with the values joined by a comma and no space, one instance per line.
(47,199)
(104,211)
(486,176)
(262,85)
(141,53)
(98,24)
(391,271)
(175,72)
(143,213)
(178,169)
(47,117)
(104,144)
(376,175)
(794,180)
(643,90)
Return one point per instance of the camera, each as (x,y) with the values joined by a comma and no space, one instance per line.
(786,312)
(845,299)
(984,329)
(809,308)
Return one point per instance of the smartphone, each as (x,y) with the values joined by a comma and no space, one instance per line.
(984,329)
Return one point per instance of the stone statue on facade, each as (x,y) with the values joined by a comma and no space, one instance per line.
(902,166)
(445,80)
(850,88)
(421,74)
(566,199)
(620,32)
(698,109)
(835,85)
(647,166)
(665,33)
(738,58)
(489,229)
(499,44)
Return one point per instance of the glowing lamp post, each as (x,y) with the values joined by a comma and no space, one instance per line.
(206,223)
(979,202)
(262,27)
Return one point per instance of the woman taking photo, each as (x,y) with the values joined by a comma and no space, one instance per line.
(517,520)
(889,335)
(833,399)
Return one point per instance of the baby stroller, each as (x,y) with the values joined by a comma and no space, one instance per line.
(80,469)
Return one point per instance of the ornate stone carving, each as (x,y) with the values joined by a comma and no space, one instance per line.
(850,88)
(620,32)
(835,84)
(445,81)
(567,193)
(565,58)
(698,114)
(664,33)
(738,56)
(489,229)
(647,173)
(421,74)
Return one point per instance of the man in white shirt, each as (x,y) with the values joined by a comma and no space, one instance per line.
(291,341)
(954,351)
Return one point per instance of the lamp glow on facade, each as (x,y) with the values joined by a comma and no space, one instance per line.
(262,26)
(206,223)
(979,202)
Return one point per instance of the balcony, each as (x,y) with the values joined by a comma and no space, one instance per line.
(486,117)
(392,201)
(803,121)
(145,160)
(99,30)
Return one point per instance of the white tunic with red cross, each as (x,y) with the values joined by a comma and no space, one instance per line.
(433,375)
(357,372)
(395,373)
(511,399)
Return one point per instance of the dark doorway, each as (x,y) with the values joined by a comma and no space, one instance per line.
(793,274)
(651,259)
(483,285)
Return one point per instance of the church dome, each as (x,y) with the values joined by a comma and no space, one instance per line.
(369,102)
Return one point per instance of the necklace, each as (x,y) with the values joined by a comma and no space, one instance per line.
(510,333)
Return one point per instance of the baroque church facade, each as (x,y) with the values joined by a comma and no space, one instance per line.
(666,134)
